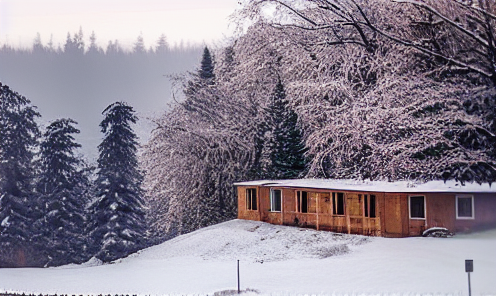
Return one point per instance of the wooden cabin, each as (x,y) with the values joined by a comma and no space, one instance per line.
(389,209)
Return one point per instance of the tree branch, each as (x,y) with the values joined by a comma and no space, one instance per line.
(431,9)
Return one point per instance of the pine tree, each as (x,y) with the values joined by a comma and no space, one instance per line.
(283,153)
(118,226)
(199,88)
(18,137)
(62,195)
(206,71)
(162,46)
(139,45)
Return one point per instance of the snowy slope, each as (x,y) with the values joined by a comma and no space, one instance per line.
(278,260)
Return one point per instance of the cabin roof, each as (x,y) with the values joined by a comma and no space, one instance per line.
(376,186)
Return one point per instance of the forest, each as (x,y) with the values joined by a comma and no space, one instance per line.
(359,89)
(79,78)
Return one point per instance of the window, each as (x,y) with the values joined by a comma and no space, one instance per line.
(251,199)
(338,203)
(369,206)
(464,207)
(275,200)
(302,201)
(417,207)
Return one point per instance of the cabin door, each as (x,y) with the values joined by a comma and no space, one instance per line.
(354,207)
(392,217)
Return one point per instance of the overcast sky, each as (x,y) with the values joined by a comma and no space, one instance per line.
(195,21)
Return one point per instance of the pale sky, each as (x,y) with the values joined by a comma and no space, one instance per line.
(196,21)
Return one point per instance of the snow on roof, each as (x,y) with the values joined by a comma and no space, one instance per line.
(376,186)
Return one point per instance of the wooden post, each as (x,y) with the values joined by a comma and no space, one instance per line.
(317,209)
(282,206)
(239,291)
(347,212)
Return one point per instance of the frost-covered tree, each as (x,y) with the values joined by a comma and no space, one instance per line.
(381,95)
(58,162)
(117,225)
(284,146)
(62,196)
(197,151)
(381,89)
(18,209)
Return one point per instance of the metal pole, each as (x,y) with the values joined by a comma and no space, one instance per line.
(239,291)
(469,289)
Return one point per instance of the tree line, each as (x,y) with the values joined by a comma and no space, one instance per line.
(81,81)
(75,44)
(54,208)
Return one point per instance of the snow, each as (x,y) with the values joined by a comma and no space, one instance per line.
(432,229)
(376,186)
(278,260)
(5,222)
(114,205)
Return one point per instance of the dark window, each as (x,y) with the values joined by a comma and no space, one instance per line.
(338,203)
(251,199)
(369,206)
(372,206)
(464,207)
(417,207)
(275,200)
(366,205)
(302,201)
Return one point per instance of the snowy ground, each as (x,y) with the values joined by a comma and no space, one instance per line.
(278,260)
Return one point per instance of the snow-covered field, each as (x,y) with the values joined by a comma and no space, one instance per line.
(279,260)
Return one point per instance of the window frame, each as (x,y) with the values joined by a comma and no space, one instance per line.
(272,204)
(472,217)
(250,198)
(410,207)
(299,201)
(370,206)
(335,198)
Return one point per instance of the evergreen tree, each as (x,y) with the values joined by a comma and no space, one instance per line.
(162,46)
(94,48)
(69,45)
(139,45)
(283,153)
(18,137)
(118,226)
(200,87)
(206,71)
(78,41)
(62,195)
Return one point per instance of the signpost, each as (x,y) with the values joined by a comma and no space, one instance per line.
(469,267)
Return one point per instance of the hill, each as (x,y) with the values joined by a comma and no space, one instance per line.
(277,260)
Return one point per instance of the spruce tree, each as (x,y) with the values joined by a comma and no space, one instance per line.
(206,71)
(118,222)
(283,153)
(199,85)
(63,199)
(18,138)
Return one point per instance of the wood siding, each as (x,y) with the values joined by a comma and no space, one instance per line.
(484,214)
(392,212)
